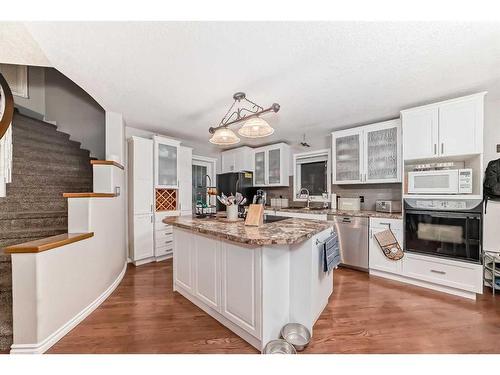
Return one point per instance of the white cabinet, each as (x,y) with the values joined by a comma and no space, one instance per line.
(450,128)
(226,277)
(140,186)
(367,154)
(420,133)
(241,288)
(142,239)
(237,160)
(166,165)
(183,260)
(377,260)
(271,165)
(207,273)
(185,180)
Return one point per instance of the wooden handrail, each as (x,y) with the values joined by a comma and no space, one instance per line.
(8,113)
(107,162)
(44,244)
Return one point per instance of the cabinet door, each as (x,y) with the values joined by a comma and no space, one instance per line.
(420,133)
(274,166)
(207,271)
(227,162)
(142,175)
(183,259)
(377,260)
(241,286)
(382,152)
(143,237)
(185,180)
(348,155)
(260,168)
(166,167)
(458,123)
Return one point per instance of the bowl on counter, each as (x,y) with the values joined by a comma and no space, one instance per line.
(297,335)
(279,347)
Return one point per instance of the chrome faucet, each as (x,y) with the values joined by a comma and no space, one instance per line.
(308,196)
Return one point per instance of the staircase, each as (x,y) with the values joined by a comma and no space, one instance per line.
(45,164)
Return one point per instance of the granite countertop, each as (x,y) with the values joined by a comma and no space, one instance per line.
(326,211)
(284,232)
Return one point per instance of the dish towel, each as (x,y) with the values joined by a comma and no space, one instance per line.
(331,253)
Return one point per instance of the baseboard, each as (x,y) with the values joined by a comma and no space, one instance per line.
(424,284)
(43,346)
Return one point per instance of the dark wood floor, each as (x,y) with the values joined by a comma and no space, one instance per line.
(365,315)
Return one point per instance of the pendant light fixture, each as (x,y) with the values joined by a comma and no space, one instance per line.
(241,110)
(255,127)
(224,137)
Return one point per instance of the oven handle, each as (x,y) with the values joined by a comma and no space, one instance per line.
(447,214)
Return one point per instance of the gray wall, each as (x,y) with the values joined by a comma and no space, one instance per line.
(54,97)
(75,112)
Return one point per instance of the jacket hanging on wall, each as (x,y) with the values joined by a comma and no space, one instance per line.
(491,184)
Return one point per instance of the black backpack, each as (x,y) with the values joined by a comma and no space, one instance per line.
(491,185)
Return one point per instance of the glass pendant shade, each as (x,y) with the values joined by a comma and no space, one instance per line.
(223,137)
(255,127)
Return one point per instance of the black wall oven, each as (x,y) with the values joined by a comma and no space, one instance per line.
(445,230)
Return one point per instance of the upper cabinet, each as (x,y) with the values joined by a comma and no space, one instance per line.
(367,154)
(166,153)
(237,160)
(271,165)
(450,128)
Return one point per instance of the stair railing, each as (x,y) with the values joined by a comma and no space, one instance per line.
(6,115)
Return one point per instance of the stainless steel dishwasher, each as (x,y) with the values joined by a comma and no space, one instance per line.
(353,240)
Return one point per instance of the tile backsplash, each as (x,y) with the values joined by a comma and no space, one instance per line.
(370,192)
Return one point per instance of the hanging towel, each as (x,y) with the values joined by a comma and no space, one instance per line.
(331,253)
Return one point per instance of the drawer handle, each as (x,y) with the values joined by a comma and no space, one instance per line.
(439,272)
(388,224)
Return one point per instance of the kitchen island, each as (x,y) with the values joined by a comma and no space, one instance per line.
(253,280)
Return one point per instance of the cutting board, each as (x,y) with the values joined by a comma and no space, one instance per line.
(255,215)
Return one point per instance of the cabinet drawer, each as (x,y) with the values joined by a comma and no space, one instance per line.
(394,224)
(164,228)
(163,250)
(448,273)
(163,235)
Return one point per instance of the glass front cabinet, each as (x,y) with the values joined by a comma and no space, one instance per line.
(166,153)
(367,154)
(271,165)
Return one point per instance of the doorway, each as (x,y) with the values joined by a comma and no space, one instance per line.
(203,167)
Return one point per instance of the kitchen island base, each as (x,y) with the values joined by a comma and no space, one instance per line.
(253,290)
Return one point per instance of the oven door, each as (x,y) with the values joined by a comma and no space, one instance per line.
(433,182)
(454,235)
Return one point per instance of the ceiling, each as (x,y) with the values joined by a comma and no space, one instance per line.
(178,78)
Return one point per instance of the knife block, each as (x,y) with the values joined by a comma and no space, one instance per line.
(255,215)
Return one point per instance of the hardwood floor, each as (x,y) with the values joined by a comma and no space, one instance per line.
(365,315)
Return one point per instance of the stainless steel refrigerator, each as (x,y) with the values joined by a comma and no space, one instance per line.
(230,183)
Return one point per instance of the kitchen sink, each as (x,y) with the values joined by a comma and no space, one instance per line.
(304,208)
(272,218)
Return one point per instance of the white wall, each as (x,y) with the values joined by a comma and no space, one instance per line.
(115,137)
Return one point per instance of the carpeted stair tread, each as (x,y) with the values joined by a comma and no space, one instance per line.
(46,164)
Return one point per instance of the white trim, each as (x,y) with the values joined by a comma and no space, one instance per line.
(42,347)
(423,284)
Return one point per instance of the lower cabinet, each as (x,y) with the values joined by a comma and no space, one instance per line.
(223,276)
(377,260)
(241,289)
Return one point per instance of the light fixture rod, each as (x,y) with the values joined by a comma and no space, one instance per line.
(273,108)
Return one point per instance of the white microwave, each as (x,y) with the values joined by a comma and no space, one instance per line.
(449,181)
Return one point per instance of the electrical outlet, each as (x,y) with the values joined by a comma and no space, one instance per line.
(498,148)
(362,198)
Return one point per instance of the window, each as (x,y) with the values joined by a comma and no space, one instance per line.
(311,172)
